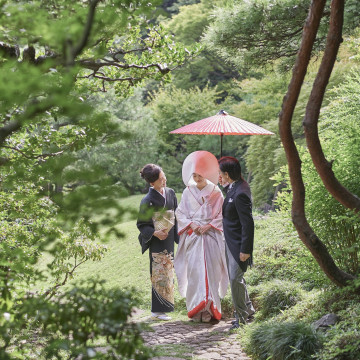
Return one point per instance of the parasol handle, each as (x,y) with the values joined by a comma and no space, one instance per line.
(221,143)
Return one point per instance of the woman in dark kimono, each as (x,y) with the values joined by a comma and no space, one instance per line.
(158,232)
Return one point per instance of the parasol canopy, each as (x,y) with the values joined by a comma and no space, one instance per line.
(222,124)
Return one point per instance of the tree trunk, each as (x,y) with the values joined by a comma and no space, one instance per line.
(306,233)
(323,167)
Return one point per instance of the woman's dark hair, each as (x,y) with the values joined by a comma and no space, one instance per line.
(150,172)
(232,166)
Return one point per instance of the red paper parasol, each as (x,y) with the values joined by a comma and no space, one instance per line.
(222,124)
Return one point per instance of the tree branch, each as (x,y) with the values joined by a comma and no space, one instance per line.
(86,34)
(51,292)
(96,66)
(323,167)
(8,129)
(306,233)
(42,156)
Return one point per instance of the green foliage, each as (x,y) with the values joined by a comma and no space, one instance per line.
(282,267)
(136,142)
(241,30)
(261,104)
(205,69)
(342,341)
(354,44)
(280,254)
(189,24)
(74,322)
(282,341)
(173,108)
(173,6)
(53,55)
(256,33)
(276,296)
(339,130)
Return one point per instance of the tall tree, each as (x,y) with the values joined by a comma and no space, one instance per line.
(257,33)
(48,74)
(279,31)
(53,56)
(306,233)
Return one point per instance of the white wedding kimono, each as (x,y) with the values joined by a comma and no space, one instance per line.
(200,263)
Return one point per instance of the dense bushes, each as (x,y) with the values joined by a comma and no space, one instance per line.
(290,293)
(342,341)
(282,341)
(72,326)
(280,254)
(275,296)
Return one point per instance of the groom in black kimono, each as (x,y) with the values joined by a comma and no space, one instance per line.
(239,235)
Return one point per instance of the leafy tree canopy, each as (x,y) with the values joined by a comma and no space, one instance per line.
(106,44)
(258,32)
(189,24)
(53,56)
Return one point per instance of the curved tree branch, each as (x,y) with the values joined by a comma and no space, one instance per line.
(8,129)
(41,156)
(95,65)
(324,167)
(306,233)
(76,50)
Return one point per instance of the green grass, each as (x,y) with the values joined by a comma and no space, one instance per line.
(123,265)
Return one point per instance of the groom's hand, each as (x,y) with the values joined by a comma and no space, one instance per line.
(244,257)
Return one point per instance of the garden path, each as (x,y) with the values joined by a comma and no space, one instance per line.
(194,341)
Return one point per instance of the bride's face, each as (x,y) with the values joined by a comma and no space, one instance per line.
(199,179)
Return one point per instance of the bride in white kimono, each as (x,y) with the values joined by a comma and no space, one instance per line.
(200,263)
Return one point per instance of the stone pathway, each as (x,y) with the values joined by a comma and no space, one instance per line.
(194,340)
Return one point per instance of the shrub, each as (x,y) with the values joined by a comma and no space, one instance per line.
(342,341)
(73,324)
(282,341)
(309,309)
(275,296)
(279,253)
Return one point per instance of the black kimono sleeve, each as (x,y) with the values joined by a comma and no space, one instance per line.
(145,225)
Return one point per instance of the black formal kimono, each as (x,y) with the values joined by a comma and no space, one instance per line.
(238,222)
(161,252)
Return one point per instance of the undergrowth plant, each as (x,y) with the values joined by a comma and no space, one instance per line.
(282,341)
(273,297)
(279,253)
(74,324)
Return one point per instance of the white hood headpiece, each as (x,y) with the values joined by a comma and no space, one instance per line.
(203,163)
